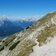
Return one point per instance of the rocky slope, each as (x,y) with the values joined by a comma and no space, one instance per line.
(32,40)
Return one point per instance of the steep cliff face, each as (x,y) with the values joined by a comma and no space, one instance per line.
(22,43)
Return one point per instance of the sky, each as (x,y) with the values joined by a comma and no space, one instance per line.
(26,8)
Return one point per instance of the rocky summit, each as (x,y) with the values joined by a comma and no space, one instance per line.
(38,39)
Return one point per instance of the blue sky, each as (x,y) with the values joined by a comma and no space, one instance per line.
(26,8)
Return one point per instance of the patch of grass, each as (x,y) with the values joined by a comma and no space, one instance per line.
(9,39)
(48,31)
(26,49)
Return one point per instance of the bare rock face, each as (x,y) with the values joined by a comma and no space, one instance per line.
(22,43)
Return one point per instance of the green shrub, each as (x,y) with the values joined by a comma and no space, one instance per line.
(14,45)
(1,48)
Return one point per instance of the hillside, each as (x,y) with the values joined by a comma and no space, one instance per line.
(32,40)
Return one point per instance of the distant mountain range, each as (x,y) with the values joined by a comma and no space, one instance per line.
(8,27)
